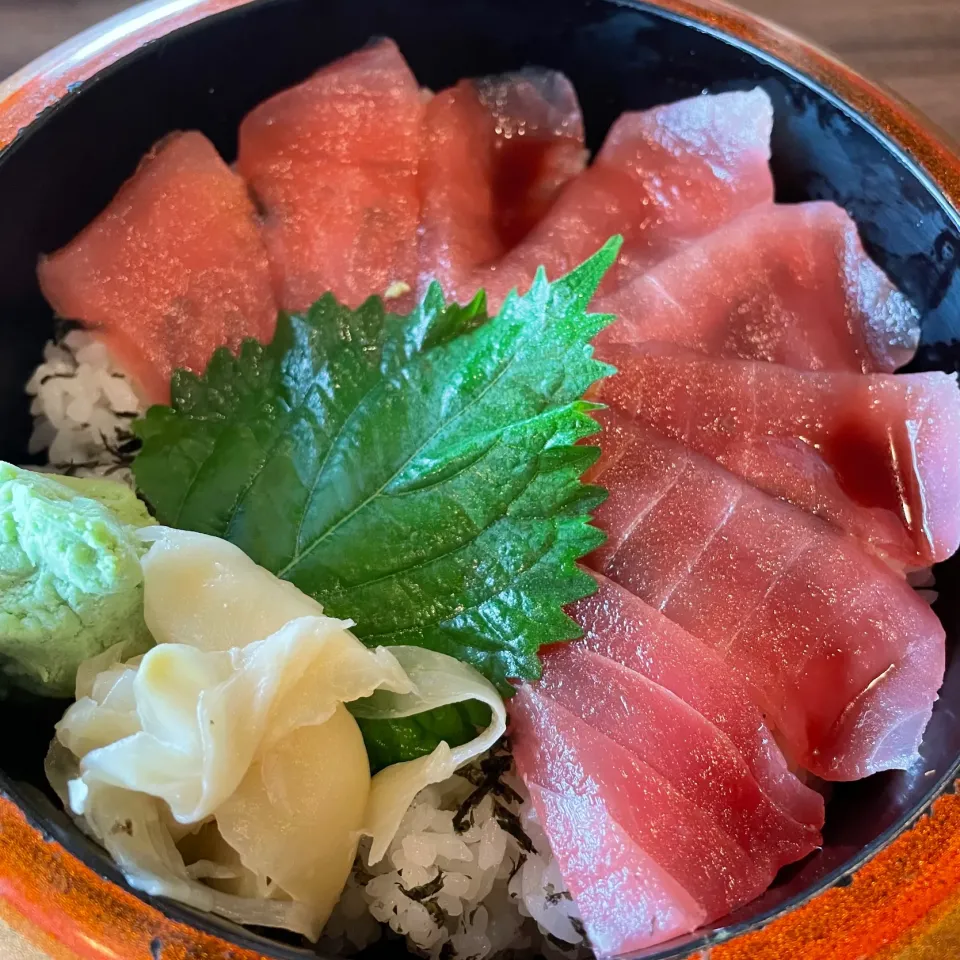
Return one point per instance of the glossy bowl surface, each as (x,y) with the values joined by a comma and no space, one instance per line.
(106,97)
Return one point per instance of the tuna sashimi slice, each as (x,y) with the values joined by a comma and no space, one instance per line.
(621,628)
(605,738)
(689,752)
(333,163)
(662,178)
(787,284)
(172,269)
(840,653)
(496,152)
(626,901)
(557,751)
(877,455)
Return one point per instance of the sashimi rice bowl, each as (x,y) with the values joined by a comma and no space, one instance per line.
(440,527)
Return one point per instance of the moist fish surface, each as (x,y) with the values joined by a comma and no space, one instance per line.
(172,269)
(496,153)
(842,656)
(663,178)
(620,627)
(665,799)
(333,164)
(876,455)
(789,284)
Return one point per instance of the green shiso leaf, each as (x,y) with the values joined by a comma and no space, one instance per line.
(393,741)
(419,475)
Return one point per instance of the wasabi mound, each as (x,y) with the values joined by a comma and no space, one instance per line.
(70,578)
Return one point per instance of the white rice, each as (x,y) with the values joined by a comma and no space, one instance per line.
(465,887)
(469,875)
(82,407)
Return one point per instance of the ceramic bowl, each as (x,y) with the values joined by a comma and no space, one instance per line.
(74,124)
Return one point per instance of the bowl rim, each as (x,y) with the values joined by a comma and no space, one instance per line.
(928,151)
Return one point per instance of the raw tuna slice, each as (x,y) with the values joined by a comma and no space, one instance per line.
(840,653)
(620,627)
(787,284)
(496,152)
(172,269)
(333,163)
(877,455)
(663,178)
(626,900)
(570,766)
(638,706)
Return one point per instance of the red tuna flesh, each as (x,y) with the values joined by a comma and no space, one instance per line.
(662,179)
(877,455)
(333,163)
(171,270)
(840,653)
(638,790)
(626,900)
(561,755)
(496,152)
(620,627)
(786,284)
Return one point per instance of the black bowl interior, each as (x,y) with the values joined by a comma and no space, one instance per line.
(64,168)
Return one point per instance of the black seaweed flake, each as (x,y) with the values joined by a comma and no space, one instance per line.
(510,823)
(517,866)
(57,376)
(426,890)
(124,446)
(425,894)
(435,911)
(122,450)
(555,896)
(486,780)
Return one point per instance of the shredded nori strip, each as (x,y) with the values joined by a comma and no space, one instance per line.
(426,890)
(435,911)
(555,896)
(510,823)
(57,376)
(122,450)
(486,780)
(518,866)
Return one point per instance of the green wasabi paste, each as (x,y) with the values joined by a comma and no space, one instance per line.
(71,584)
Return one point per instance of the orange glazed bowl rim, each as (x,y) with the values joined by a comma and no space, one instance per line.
(47,892)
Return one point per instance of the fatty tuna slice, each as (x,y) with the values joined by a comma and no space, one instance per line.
(877,455)
(333,163)
(662,178)
(788,284)
(172,269)
(556,751)
(618,627)
(839,652)
(496,153)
